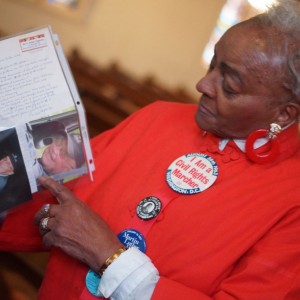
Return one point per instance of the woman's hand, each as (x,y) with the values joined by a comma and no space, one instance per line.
(75,228)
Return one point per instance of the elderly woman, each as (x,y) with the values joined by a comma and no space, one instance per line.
(222,193)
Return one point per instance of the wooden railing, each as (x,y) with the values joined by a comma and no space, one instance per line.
(110,95)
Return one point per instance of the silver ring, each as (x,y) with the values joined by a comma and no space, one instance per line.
(46,208)
(44,223)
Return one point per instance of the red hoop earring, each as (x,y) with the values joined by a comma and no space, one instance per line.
(260,133)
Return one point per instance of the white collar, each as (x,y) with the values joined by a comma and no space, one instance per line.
(241,143)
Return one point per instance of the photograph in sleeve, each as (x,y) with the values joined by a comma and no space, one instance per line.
(56,146)
(14,184)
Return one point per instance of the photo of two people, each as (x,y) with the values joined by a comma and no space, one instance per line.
(56,150)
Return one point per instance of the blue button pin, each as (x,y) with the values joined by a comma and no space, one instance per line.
(132,238)
(92,281)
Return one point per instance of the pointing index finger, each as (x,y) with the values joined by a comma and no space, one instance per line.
(57,190)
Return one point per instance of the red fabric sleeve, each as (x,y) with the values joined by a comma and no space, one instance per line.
(270,270)
(169,289)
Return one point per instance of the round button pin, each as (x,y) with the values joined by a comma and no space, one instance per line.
(148,208)
(132,238)
(192,173)
(92,281)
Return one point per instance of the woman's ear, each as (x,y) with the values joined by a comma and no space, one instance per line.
(289,113)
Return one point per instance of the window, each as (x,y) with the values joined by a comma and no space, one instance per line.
(232,12)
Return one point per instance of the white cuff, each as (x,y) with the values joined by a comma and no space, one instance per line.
(131,276)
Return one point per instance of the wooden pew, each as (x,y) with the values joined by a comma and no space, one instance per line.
(110,95)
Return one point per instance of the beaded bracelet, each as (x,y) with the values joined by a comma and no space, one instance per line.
(111,259)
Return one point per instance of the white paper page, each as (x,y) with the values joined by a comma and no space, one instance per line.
(32,83)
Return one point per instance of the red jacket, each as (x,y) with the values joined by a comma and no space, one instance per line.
(239,239)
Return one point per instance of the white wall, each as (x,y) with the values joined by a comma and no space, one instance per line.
(164,38)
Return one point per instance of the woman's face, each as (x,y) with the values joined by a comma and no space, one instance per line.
(240,92)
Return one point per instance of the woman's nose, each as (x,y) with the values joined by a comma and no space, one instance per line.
(207,84)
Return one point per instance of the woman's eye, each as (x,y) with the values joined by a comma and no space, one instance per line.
(229,85)
(228,90)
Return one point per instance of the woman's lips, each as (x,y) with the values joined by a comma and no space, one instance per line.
(204,110)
